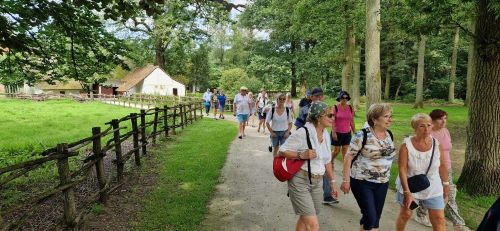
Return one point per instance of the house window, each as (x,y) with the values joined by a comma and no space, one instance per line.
(175,91)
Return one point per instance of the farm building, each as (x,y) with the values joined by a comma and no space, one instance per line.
(65,88)
(150,80)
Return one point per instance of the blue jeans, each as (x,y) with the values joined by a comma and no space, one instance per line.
(207,107)
(327,189)
(370,197)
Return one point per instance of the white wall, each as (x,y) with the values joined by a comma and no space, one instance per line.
(159,83)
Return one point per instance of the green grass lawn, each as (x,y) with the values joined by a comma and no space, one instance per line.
(29,126)
(189,170)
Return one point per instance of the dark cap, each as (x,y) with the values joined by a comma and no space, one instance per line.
(317,91)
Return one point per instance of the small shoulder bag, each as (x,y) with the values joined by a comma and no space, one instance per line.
(420,182)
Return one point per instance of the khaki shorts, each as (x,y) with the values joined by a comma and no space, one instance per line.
(306,198)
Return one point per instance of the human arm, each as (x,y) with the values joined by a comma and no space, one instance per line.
(403,176)
(443,173)
(331,179)
(346,169)
(353,125)
(268,125)
(334,134)
(295,143)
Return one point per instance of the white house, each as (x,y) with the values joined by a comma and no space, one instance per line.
(151,80)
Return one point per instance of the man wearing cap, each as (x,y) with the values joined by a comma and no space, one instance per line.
(316,96)
(241,108)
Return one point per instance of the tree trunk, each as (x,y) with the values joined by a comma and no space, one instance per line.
(160,59)
(387,83)
(481,171)
(356,75)
(397,90)
(453,75)
(293,68)
(347,70)
(471,66)
(373,26)
(419,99)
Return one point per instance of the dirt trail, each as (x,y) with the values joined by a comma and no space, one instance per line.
(248,196)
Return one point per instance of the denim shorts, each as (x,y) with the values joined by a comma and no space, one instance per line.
(279,139)
(431,203)
(242,118)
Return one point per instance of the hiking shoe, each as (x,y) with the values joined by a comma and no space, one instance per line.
(270,148)
(424,220)
(330,202)
(240,137)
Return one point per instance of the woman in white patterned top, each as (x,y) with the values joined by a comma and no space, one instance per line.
(369,177)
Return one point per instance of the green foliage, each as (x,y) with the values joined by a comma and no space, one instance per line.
(97,209)
(232,79)
(179,202)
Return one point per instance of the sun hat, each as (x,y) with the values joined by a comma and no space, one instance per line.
(243,88)
(341,94)
(316,109)
(317,91)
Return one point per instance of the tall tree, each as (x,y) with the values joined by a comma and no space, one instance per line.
(471,67)
(481,171)
(453,72)
(373,26)
(419,98)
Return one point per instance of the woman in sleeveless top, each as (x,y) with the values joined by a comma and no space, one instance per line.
(415,158)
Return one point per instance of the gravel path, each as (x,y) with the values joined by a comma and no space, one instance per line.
(248,196)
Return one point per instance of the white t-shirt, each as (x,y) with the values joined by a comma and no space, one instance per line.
(417,164)
(207,96)
(242,104)
(279,122)
(297,142)
(262,100)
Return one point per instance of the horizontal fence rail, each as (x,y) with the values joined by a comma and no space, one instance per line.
(123,139)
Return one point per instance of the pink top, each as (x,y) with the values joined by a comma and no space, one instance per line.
(343,119)
(444,138)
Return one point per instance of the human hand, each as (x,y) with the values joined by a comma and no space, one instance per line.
(287,134)
(309,154)
(334,136)
(335,190)
(345,187)
(446,193)
(407,199)
(273,134)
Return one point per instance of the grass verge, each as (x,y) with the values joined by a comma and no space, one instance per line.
(189,170)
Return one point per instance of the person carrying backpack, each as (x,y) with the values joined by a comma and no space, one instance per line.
(367,165)
(261,102)
(279,123)
(305,193)
(316,96)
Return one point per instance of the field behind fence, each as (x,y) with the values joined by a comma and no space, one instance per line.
(78,182)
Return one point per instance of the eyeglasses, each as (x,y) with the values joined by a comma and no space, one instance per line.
(281,98)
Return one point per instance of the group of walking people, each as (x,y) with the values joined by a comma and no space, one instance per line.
(424,181)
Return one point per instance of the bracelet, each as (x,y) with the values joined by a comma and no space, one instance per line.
(345,181)
(406,192)
(332,181)
(298,156)
(446,183)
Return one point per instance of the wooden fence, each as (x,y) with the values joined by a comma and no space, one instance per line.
(145,127)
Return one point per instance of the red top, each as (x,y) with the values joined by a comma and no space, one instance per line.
(343,118)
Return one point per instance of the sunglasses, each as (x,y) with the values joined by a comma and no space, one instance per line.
(329,115)
(281,98)
(344,98)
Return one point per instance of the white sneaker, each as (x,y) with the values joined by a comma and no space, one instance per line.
(423,220)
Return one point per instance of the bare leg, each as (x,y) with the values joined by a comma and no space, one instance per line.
(436,216)
(307,223)
(403,217)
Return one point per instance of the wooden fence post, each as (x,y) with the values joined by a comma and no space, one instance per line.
(143,132)
(135,138)
(118,149)
(64,179)
(174,117)
(201,109)
(194,111)
(165,119)
(155,124)
(181,107)
(191,113)
(99,166)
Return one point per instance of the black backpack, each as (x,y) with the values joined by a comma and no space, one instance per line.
(287,113)
(365,135)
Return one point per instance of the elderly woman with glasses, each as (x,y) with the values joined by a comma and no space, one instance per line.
(367,165)
(279,123)
(305,195)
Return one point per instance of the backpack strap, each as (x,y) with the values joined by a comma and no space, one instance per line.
(350,107)
(272,113)
(309,146)
(287,113)
(336,109)
(432,155)
(365,136)
(390,134)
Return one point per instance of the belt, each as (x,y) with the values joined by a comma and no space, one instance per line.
(313,176)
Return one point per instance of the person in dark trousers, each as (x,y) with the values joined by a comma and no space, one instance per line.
(491,220)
